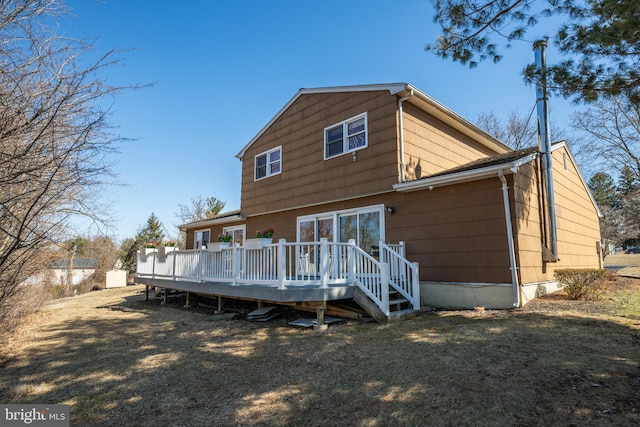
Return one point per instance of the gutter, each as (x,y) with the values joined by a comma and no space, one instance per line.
(401,124)
(463,176)
(512,251)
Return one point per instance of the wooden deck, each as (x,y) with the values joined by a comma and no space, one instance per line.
(258,292)
(287,272)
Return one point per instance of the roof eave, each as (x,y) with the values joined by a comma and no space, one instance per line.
(212,221)
(420,99)
(463,176)
(393,88)
(453,119)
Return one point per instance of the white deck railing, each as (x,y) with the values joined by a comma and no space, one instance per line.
(284,264)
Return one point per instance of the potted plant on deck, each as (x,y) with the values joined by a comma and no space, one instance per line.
(224,241)
(263,238)
(150,247)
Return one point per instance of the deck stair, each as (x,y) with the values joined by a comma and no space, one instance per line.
(393,292)
(399,308)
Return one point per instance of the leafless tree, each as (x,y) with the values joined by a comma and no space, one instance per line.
(517,130)
(612,129)
(55,140)
(199,209)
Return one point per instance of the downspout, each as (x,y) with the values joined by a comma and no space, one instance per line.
(545,141)
(512,250)
(401,124)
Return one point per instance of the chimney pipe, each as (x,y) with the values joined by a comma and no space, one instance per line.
(544,136)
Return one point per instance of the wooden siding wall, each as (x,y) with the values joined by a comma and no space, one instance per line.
(525,193)
(577,221)
(457,233)
(306,177)
(432,146)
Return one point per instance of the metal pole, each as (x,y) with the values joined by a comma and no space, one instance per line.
(545,140)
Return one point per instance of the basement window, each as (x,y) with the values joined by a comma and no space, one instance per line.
(345,137)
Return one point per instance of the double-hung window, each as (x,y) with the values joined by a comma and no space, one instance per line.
(347,136)
(268,163)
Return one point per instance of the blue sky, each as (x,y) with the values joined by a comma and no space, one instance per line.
(220,70)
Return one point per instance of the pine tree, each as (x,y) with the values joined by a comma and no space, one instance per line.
(599,38)
(152,232)
(628,182)
(604,190)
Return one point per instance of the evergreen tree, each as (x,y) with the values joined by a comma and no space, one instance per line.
(127,254)
(604,190)
(600,38)
(628,182)
(152,232)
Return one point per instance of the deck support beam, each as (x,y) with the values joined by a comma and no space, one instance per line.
(320,309)
(220,306)
(187,304)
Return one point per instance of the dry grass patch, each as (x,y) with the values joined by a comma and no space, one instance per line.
(119,360)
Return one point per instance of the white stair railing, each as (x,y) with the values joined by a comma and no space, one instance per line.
(403,274)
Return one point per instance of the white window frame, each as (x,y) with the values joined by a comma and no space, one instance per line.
(335,215)
(203,245)
(346,135)
(234,228)
(269,164)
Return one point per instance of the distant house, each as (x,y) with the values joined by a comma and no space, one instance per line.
(72,271)
(396,174)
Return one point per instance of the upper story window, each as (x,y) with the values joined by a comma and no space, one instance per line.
(268,163)
(350,135)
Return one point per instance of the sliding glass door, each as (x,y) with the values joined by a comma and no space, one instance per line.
(364,225)
(312,229)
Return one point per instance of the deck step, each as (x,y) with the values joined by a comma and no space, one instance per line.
(403,314)
(398,301)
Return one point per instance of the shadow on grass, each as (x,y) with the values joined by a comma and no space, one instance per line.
(162,365)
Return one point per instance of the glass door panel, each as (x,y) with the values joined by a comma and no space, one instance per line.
(325,229)
(364,228)
(306,253)
(348,228)
(369,232)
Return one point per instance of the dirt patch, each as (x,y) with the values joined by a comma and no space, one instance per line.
(120,360)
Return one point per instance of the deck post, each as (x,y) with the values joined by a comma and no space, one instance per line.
(415,281)
(146,292)
(320,309)
(351,261)
(174,264)
(200,266)
(187,305)
(282,263)
(384,288)
(235,267)
(324,263)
